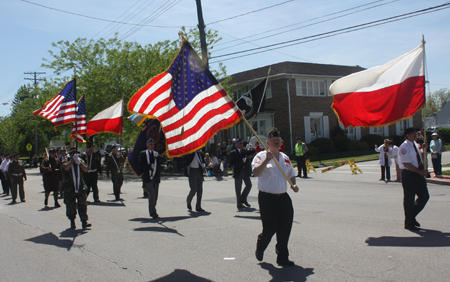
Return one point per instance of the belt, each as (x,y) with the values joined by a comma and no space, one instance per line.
(272,194)
(15,174)
(92,170)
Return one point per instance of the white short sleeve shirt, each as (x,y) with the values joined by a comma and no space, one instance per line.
(272,180)
(407,154)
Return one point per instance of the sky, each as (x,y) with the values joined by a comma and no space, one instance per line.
(28,31)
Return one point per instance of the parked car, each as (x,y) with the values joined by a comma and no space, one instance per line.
(434,128)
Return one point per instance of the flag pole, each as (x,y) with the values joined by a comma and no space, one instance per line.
(425,152)
(262,143)
(121,130)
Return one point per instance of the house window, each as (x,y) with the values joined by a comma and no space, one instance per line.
(269,90)
(316,125)
(310,88)
(376,130)
(402,125)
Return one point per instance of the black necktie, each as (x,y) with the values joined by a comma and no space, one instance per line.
(419,161)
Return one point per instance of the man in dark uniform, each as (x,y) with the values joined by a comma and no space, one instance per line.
(52,176)
(242,171)
(94,166)
(195,163)
(17,174)
(411,158)
(74,188)
(114,164)
(150,162)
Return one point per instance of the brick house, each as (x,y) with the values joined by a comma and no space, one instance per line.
(298,103)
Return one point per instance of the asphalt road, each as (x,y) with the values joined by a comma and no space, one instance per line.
(346,228)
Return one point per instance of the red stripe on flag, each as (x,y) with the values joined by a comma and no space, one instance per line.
(386,105)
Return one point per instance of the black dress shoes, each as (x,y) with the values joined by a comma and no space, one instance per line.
(189,207)
(417,224)
(246,204)
(72,224)
(285,262)
(200,210)
(57,205)
(259,255)
(85,224)
(411,227)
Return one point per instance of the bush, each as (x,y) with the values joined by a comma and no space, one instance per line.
(358,145)
(444,134)
(372,139)
(324,145)
(341,142)
(398,140)
(312,150)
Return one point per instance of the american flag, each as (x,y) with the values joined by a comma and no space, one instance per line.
(62,108)
(188,101)
(80,127)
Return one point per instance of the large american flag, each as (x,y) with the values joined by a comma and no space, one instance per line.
(62,108)
(79,127)
(188,101)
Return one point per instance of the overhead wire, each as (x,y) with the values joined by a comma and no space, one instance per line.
(338,31)
(150,18)
(95,18)
(265,8)
(308,25)
(110,24)
(139,9)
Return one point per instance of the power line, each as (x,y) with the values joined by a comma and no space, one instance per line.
(342,30)
(95,18)
(163,10)
(110,24)
(330,19)
(250,12)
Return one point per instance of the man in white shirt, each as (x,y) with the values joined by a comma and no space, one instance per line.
(275,205)
(411,158)
(196,164)
(6,182)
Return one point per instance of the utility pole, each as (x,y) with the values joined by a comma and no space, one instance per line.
(35,76)
(201,28)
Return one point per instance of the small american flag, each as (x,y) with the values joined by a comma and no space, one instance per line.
(62,108)
(80,127)
(188,101)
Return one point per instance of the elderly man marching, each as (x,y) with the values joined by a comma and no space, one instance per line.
(411,158)
(241,172)
(275,205)
(150,162)
(114,164)
(17,174)
(94,166)
(52,176)
(74,188)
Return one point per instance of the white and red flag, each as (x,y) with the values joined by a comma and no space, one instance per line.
(79,127)
(109,120)
(381,95)
(62,108)
(188,101)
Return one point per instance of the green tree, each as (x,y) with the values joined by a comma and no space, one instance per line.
(436,101)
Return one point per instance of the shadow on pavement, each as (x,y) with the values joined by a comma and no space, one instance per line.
(52,239)
(428,238)
(181,275)
(289,273)
(161,219)
(257,217)
(111,203)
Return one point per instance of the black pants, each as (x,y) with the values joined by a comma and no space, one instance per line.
(196,185)
(242,197)
(117,180)
(385,172)
(277,215)
(91,179)
(301,165)
(152,190)
(413,184)
(6,184)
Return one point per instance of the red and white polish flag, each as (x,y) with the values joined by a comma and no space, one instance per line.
(108,120)
(381,95)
